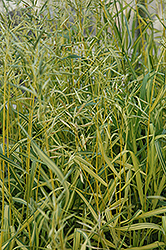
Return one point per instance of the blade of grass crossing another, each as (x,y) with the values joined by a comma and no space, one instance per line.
(107,160)
(89,206)
(89,171)
(51,165)
(160,156)
(138,177)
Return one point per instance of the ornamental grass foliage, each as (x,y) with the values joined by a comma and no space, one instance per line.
(83,125)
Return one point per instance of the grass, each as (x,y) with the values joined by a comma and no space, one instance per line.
(83,131)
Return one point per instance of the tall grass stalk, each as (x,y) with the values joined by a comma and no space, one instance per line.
(82,129)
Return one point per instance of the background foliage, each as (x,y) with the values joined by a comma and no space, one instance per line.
(82,129)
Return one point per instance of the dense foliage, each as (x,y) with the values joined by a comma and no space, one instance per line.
(82,126)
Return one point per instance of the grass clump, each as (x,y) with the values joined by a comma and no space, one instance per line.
(82,130)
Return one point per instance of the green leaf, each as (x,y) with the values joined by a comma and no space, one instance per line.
(138,178)
(152,213)
(55,169)
(160,156)
(159,97)
(84,165)
(89,206)
(140,226)
(107,160)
